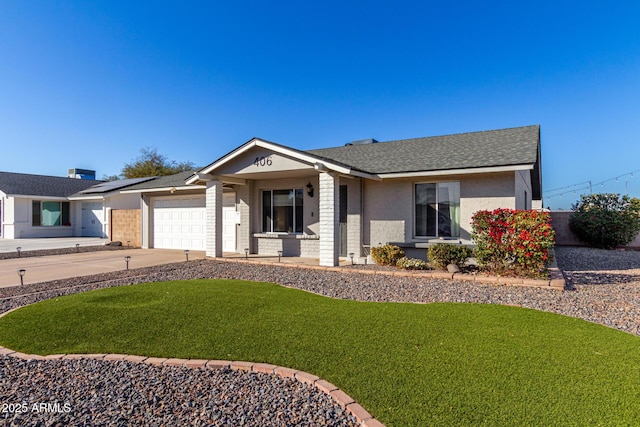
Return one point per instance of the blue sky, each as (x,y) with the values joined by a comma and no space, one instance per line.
(88,84)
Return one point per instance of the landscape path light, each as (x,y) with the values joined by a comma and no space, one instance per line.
(279,255)
(351,254)
(246,253)
(127,259)
(77,247)
(21,274)
(19,249)
(186,253)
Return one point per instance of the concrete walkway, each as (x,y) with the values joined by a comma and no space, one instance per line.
(55,267)
(10,245)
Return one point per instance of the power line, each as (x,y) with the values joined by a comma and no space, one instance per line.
(574,188)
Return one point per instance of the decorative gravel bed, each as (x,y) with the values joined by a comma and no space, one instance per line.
(61,251)
(603,287)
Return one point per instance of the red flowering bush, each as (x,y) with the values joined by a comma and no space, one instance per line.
(513,241)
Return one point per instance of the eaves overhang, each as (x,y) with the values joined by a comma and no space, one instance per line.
(165,189)
(461,171)
(30,196)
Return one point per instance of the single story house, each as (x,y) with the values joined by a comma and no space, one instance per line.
(38,206)
(33,206)
(264,197)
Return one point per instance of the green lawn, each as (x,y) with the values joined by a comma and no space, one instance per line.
(408,364)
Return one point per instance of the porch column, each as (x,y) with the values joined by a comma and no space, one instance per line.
(146,225)
(214,219)
(329,198)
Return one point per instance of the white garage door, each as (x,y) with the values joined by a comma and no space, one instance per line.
(179,223)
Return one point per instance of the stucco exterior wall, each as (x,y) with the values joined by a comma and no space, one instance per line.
(484,192)
(389,205)
(17,222)
(523,190)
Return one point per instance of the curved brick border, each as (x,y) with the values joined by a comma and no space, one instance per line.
(363,417)
(556,278)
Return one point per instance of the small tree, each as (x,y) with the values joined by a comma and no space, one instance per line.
(606,220)
(151,163)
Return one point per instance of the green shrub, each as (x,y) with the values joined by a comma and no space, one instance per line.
(442,254)
(386,254)
(412,264)
(513,241)
(606,220)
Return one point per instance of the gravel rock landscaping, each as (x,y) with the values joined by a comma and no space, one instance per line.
(602,287)
(61,251)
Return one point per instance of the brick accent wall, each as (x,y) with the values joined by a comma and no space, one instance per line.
(214,219)
(329,210)
(289,245)
(126,226)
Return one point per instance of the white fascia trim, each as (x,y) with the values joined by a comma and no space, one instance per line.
(161,189)
(456,171)
(312,160)
(78,198)
(45,198)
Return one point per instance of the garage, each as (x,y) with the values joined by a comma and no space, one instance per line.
(179,222)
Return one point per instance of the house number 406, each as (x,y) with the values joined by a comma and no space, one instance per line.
(263,161)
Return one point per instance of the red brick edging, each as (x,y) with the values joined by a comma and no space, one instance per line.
(363,417)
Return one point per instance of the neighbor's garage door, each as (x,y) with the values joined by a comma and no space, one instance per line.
(179,222)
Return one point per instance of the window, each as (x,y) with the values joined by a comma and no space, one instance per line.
(50,214)
(437,209)
(282,211)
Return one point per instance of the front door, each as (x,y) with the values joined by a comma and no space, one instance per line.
(343,221)
(229,222)
(92,217)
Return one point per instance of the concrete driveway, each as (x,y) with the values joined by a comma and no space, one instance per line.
(41,269)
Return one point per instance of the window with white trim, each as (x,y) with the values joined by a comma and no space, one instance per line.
(437,209)
(282,211)
(50,214)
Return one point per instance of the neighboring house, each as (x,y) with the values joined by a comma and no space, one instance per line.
(329,203)
(33,206)
(39,206)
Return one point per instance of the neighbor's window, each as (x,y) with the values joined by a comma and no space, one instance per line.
(50,214)
(282,211)
(437,209)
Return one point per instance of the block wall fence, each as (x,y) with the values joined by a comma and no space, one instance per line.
(564,235)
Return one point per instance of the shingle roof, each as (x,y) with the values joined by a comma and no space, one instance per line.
(42,185)
(504,147)
(176,180)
